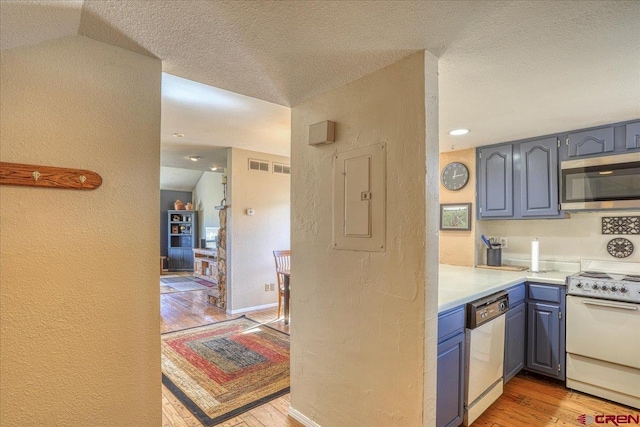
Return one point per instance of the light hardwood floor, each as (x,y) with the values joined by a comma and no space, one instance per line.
(527,400)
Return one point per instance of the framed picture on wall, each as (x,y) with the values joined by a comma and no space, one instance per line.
(455,216)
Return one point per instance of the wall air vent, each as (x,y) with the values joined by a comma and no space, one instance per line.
(281,168)
(258,165)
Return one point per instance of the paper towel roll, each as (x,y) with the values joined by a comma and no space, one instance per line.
(535,255)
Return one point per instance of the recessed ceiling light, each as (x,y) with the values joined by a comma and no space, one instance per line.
(213,168)
(194,158)
(457,132)
(178,135)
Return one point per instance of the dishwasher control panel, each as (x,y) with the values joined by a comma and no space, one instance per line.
(485,309)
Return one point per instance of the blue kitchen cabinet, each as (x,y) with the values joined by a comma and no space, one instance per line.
(632,133)
(515,333)
(594,141)
(539,178)
(495,181)
(531,168)
(450,365)
(546,330)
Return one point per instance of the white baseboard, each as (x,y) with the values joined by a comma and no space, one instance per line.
(301,418)
(254,308)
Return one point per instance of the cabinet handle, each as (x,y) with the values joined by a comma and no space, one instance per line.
(611,305)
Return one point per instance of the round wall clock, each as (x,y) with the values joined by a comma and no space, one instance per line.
(620,248)
(454,176)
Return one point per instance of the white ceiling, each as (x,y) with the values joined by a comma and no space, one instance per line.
(26,23)
(179,179)
(210,118)
(508,70)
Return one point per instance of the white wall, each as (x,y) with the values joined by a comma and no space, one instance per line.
(572,239)
(358,318)
(207,194)
(252,239)
(79,269)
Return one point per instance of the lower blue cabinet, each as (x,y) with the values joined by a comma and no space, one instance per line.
(546,330)
(450,388)
(450,381)
(514,346)
(544,339)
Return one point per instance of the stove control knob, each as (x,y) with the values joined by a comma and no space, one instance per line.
(579,285)
(623,289)
(614,288)
(595,286)
(605,288)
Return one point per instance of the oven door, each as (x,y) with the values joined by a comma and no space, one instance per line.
(611,182)
(604,330)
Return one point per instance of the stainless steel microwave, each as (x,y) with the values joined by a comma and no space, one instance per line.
(600,183)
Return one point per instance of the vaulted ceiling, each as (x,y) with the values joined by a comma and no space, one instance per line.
(507,70)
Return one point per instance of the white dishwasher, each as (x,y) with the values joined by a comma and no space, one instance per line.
(484,355)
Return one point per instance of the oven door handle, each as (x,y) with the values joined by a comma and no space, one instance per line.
(611,305)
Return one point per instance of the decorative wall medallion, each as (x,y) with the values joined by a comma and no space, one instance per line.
(620,248)
(621,225)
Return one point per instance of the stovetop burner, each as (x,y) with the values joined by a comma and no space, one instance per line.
(595,275)
(621,283)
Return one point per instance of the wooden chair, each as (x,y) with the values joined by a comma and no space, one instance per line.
(283,261)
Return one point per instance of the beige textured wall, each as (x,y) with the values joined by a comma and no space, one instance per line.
(79,270)
(457,247)
(358,318)
(254,238)
(206,196)
(572,239)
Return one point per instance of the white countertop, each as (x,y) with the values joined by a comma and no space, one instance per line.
(460,285)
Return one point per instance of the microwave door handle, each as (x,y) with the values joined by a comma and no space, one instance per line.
(611,305)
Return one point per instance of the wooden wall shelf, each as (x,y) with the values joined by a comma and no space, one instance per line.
(48,177)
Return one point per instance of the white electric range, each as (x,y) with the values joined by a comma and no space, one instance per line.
(603,331)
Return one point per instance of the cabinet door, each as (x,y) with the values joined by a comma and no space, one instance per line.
(514,341)
(180,259)
(543,339)
(187,259)
(175,259)
(539,177)
(597,141)
(633,136)
(495,182)
(449,409)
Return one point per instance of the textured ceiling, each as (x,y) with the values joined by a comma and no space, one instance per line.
(179,179)
(26,23)
(508,69)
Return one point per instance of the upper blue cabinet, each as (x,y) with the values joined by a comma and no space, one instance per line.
(597,141)
(603,141)
(495,181)
(519,180)
(633,136)
(539,178)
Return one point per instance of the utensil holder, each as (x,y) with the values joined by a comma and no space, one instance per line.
(494,257)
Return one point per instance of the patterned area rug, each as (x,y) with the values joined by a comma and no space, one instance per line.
(221,370)
(170,284)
